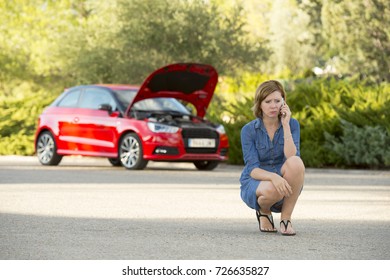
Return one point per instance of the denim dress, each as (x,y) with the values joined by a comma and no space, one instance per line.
(259,151)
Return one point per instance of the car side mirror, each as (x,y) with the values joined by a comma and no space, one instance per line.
(105,107)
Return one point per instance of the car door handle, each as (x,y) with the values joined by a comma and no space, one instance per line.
(76,120)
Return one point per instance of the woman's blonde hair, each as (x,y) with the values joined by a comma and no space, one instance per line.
(265,89)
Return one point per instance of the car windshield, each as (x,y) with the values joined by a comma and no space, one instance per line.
(152,104)
(125,97)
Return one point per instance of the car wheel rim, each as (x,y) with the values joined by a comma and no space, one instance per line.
(45,148)
(130,152)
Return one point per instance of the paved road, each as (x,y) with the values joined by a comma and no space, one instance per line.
(86,209)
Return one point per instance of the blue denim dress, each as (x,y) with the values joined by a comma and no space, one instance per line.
(259,151)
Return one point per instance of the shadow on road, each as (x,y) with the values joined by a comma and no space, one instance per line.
(29,237)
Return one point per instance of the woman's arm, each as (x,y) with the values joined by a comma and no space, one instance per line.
(289,146)
(262,175)
(281,185)
(291,134)
(249,151)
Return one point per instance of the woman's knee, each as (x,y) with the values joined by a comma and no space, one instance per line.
(295,165)
(269,192)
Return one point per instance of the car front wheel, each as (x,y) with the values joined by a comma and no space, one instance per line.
(131,153)
(47,149)
(206,164)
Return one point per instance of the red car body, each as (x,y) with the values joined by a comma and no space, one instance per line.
(120,125)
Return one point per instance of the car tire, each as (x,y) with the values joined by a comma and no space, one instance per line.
(46,148)
(206,164)
(115,161)
(131,153)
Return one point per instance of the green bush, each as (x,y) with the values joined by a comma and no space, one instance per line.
(18,120)
(17,144)
(365,146)
(318,105)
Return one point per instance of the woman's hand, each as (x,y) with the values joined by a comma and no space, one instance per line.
(281,185)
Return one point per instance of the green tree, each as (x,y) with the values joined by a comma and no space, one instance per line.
(32,37)
(31,65)
(290,39)
(148,34)
(358,34)
(318,46)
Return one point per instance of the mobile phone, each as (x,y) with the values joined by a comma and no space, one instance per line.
(283,103)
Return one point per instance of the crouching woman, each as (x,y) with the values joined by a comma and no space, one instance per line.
(273,175)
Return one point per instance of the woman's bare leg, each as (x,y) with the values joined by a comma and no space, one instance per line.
(267,195)
(293,171)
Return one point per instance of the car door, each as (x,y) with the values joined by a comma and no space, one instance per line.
(97,132)
(64,119)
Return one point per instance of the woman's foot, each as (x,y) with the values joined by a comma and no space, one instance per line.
(266,222)
(286,228)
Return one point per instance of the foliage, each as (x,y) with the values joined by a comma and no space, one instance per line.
(48,45)
(31,36)
(365,146)
(319,104)
(18,119)
(291,43)
(358,35)
(147,34)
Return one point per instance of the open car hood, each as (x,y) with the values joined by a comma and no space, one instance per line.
(191,82)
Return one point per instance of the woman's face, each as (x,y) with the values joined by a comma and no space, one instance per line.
(271,105)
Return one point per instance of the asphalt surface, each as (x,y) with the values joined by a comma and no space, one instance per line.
(84,209)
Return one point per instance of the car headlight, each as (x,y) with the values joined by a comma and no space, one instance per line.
(221,129)
(158,127)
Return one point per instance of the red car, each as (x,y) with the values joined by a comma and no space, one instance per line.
(131,125)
